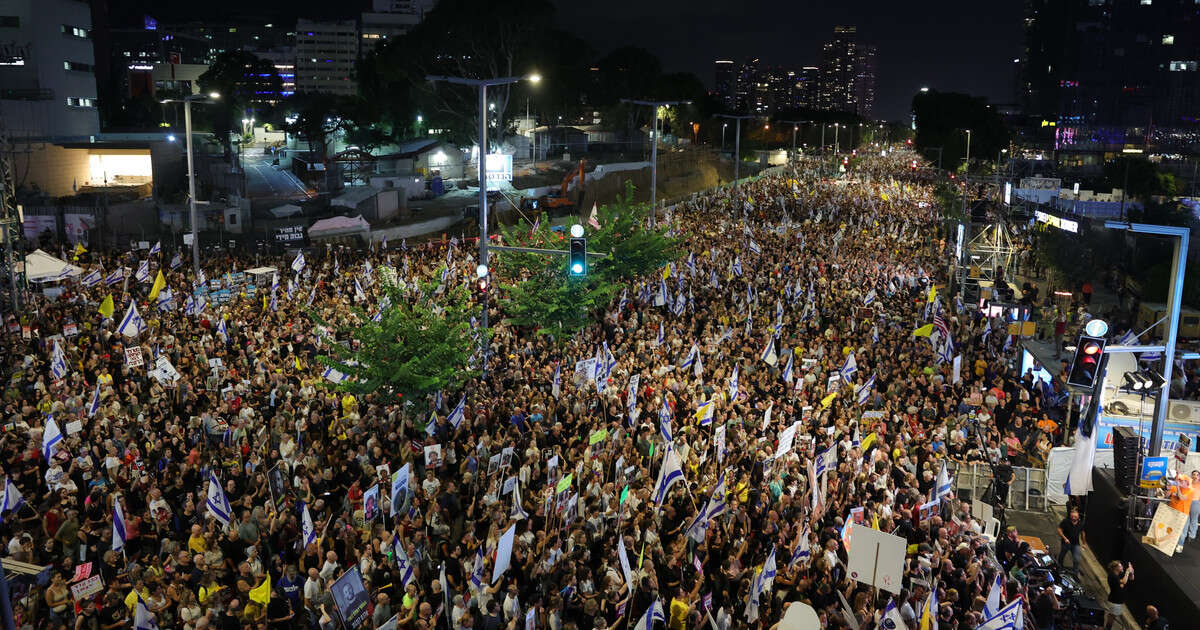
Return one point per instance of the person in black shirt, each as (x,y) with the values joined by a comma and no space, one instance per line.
(279,610)
(1071,539)
(1154,621)
(1119,575)
(1007,548)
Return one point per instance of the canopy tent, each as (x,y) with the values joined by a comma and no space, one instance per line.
(339,226)
(42,267)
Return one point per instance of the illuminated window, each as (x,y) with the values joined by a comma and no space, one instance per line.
(1168,40)
(75,31)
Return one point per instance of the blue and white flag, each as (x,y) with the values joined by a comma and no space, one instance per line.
(94,406)
(849,368)
(308,531)
(788,374)
(157,248)
(803,550)
(143,619)
(754,247)
(995,593)
(662,299)
(714,281)
(869,297)
(132,323)
(556,384)
(176,261)
(118,521)
(93,278)
(12,499)
(761,584)
(51,436)
(875,334)
(698,529)
(359,294)
(768,354)
(863,392)
(653,615)
(733,384)
(477,570)
(58,361)
(827,460)
(664,423)
(298,263)
(691,263)
(736,266)
(624,300)
(143,271)
(518,511)
(943,486)
(1011,617)
(631,395)
(658,341)
(221,330)
(456,416)
(217,503)
(669,474)
(116,276)
(403,563)
(680,305)
(892,619)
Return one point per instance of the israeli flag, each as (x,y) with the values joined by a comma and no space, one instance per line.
(1128,339)
(333,375)
(403,563)
(653,615)
(518,511)
(556,385)
(691,263)
(716,506)
(692,357)
(176,261)
(733,384)
(217,504)
(308,531)
(788,374)
(51,436)
(143,619)
(994,594)
(143,271)
(359,294)
(118,519)
(92,278)
(669,474)
(456,416)
(892,619)
(826,460)
(116,276)
(222,331)
(849,368)
(943,485)
(875,334)
(132,323)
(664,424)
(477,571)
(869,298)
(803,549)
(624,300)
(94,406)
(755,248)
(737,265)
(58,362)
(768,354)
(863,392)
(12,499)
(659,340)
(662,298)
(714,281)
(680,304)
(1011,617)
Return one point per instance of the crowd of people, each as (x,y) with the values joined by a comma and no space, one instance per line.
(812,384)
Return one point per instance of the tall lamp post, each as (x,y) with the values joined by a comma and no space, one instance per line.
(737,144)
(723,126)
(654,105)
(795,125)
(968,158)
(483,85)
(187,131)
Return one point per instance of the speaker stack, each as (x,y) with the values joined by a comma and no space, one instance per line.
(1127,445)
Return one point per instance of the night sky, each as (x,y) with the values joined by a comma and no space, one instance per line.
(947,45)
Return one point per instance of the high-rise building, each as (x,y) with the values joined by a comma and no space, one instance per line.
(389,19)
(326,54)
(284,60)
(1111,63)
(746,86)
(808,86)
(864,81)
(838,69)
(47,70)
(725,83)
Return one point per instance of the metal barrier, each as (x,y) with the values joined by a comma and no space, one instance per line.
(1026,493)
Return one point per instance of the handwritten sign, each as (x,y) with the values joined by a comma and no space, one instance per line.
(133,357)
(87,588)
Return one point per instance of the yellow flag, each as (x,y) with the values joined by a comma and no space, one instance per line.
(932,293)
(923,331)
(828,400)
(262,592)
(883,196)
(106,307)
(297,360)
(875,522)
(159,283)
(80,249)
(868,441)
(667,271)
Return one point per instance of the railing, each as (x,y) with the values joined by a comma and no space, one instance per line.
(1026,493)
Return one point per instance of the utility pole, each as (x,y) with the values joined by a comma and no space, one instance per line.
(795,125)
(654,105)
(187,130)
(482,269)
(737,146)
(9,219)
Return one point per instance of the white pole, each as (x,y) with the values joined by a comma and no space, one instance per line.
(654,166)
(483,209)
(187,125)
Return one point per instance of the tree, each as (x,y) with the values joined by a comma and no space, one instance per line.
(419,345)
(537,292)
(942,121)
(1139,177)
(239,78)
(318,117)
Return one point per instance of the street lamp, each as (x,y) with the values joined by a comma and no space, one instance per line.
(187,130)
(795,125)
(723,126)
(483,85)
(654,147)
(737,144)
(535,79)
(968,158)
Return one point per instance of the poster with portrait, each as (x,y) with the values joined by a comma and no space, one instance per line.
(506,456)
(433,456)
(493,464)
(371,503)
(276,483)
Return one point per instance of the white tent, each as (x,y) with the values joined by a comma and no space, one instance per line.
(42,267)
(339,226)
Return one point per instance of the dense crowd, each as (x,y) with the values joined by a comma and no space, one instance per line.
(794,351)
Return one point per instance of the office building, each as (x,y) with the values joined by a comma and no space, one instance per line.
(807,87)
(326,54)
(47,70)
(864,81)
(838,70)
(284,60)
(725,83)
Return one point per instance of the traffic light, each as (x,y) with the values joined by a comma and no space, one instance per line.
(1085,366)
(577,261)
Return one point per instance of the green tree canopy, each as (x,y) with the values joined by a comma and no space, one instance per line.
(942,120)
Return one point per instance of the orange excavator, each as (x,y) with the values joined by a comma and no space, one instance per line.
(559,199)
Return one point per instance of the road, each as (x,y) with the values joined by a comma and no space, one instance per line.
(264,180)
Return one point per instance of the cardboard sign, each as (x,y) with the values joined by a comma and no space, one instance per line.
(133,357)
(1164,531)
(87,588)
(877,559)
(70,330)
(1153,470)
(597,436)
(82,571)
(433,456)
(74,426)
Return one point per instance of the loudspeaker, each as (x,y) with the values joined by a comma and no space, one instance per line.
(1127,446)
(1087,610)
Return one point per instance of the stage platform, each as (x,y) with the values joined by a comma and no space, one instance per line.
(1172,584)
